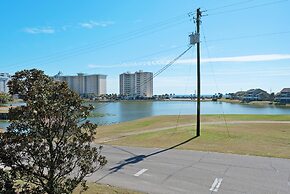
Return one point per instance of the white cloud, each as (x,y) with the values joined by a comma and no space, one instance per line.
(92,24)
(51,30)
(247,58)
(40,30)
(131,64)
(257,73)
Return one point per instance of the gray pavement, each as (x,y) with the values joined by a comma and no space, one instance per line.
(169,171)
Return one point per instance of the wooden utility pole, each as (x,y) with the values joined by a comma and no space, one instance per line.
(198,15)
(195,40)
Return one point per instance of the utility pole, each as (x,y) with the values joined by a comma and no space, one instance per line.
(198,15)
(194,39)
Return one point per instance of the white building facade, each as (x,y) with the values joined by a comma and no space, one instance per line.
(4,78)
(85,85)
(127,84)
(138,84)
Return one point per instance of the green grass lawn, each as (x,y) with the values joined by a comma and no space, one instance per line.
(263,139)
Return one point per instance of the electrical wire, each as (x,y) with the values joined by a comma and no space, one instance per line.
(155,74)
(246,8)
(223,113)
(213,40)
(153,54)
(58,56)
(229,5)
(185,92)
(250,36)
(166,66)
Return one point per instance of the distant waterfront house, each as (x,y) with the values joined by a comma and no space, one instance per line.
(255,95)
(229,96)
(283,97)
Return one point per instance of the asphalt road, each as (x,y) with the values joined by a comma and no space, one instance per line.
(179,171)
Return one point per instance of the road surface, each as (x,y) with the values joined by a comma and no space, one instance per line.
(180,171)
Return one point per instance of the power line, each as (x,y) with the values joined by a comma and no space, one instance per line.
(213,40)
(152,54)
(246,8)
(58,56)
(156,73)
(229,5)
(167,66)
(250,36)
(89,50)
(209,56)
(185,92)
(131,33)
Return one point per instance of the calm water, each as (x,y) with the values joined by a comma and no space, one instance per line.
(116,112)
(126,111)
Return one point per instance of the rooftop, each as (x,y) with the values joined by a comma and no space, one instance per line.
(286,90)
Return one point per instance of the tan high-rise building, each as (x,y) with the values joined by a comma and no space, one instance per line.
(85,84)
(138,84)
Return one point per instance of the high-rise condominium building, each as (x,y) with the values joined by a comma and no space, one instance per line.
(85,85)
(4,78)
(138,84)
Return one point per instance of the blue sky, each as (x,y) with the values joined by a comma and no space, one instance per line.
(245,43)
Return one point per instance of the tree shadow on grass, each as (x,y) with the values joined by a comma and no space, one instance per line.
(139,158)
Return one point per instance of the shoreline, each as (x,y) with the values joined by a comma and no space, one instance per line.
(205,118)
(4,109)
(254,103)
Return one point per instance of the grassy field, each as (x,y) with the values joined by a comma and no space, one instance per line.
(263,139)
(95,188)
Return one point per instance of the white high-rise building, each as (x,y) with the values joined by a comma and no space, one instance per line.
(4,78)
(138,84)
(85,85)
(127,84)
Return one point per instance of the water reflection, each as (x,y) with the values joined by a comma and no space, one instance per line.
(135,110)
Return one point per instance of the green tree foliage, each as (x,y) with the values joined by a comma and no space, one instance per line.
(6,182)
(48,144)
(5,98)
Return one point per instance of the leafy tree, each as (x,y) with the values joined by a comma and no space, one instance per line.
(4,98)
(48,144)
(6,182)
